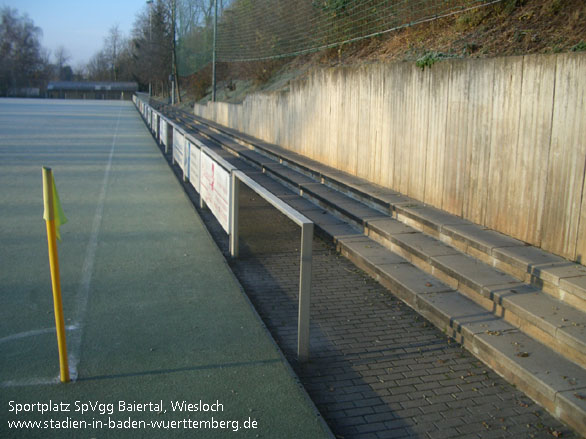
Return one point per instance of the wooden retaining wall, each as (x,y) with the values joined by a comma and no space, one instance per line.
(501,142)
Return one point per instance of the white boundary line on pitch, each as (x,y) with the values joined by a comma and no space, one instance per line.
(32,333)
(88,265)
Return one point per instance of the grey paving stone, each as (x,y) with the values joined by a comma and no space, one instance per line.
(573,336)
(555,272)
(255,157)
(423,246)
(460,315)
(365,190)
(333,199)
(480,237)
(387,195)
(543,311)
(574,402)
(274,187)
(322,217)
(406,280)
(388,227)
(471,272)
(342,178)
(324,192)
(525,257)
(359,212)
(575,286)
(444,433)
(430,216)
(337,231)
(528,361)
(303,205)
(371,253)
(291,176)
(394,434)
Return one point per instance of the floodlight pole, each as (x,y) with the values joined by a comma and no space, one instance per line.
(150,3)
(214,51)
(173,72)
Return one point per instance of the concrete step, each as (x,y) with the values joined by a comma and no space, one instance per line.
(564,331)
(510,325)
(551,321)
(556,276)
(549,378)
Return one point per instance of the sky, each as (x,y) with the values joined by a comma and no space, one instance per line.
(80,26)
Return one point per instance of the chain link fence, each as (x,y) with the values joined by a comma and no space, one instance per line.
(254,30)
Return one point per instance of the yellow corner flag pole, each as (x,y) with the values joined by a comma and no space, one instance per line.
(54,217)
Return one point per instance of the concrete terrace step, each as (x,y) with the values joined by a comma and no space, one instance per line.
(563,331)
(554,323)
(549,378)
(468,298)
(554,275)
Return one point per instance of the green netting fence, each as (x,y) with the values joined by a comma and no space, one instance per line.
(253,30)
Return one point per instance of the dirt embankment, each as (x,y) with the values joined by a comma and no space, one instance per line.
(511,27)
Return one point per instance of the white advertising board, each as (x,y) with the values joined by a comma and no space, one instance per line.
(178,148)
(163,131)
(215,190)
(186,157)
(194,159)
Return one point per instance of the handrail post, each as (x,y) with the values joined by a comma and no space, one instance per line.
(234,205)
(304,292)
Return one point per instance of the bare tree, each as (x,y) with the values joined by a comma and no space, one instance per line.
(21,56)
(152,46)
(80,72)
(99,67)
(61,56)
(195,20)
(112,47)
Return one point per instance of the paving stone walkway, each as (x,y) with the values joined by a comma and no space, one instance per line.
(378,369)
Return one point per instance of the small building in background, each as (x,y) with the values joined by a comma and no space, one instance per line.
(24,92)
(91,90)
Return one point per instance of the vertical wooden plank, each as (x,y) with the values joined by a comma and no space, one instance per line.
(313,118)
(407,141)
(528,184)
(504,141)
(352,119)
(351,147)
(378,87)
(339,110)
(361,149)
(292,117)
(481,77)
(364,147)
(345,131)
(386,124)
(419,128)
(306,147)
(457,160)
(565,174)
(439,86)
(399,97)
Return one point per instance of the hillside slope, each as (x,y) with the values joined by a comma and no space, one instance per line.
(512,27)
